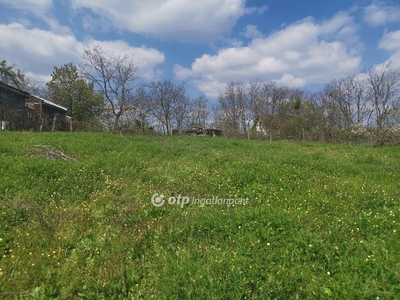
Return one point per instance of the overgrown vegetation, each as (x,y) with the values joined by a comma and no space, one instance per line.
(104,94)
(322,220)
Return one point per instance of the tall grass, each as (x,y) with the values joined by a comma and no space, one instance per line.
(322,221)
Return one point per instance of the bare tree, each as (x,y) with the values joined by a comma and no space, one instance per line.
(272,106)
(142,106)
(257,103)
(383,89)
(181,110)
(115,76)
(337,100)
(232,106)
(200,110)
(167,103)
(360,107)
(36,87)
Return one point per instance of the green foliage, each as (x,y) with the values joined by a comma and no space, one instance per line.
(301,116)
(322,221)
(10,75)
(71,91)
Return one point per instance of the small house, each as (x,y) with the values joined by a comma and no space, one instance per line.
(49,114)
(20,110)
(200,131)
(14,114)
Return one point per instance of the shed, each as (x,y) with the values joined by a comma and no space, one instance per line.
(13,112)
(49,114)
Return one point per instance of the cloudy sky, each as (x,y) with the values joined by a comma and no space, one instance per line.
(207,42)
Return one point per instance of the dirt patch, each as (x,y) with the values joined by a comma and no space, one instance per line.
(49,152)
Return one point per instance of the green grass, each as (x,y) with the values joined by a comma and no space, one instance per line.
(322,220)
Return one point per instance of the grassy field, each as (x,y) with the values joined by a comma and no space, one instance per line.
(321,221)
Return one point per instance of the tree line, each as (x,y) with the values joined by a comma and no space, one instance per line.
(105,93)
(356,106)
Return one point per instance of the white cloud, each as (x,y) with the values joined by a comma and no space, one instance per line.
(37,51)
(340,24)
(96,23)
(251,31)
(147,58)
(230,42)
(379,13)
(27,5)
(289,80)
(179,19)
(15,39)
(257,10)
(38,77)
(38,8)
(395,60)
(302,53)
(210,88)
(391,42)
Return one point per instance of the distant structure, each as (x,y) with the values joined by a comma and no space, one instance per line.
(13,112)
(20,110)
(214,132)
(198,131)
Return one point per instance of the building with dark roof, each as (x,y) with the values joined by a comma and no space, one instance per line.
(20,110)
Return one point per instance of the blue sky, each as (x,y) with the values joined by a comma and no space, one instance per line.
(209,42)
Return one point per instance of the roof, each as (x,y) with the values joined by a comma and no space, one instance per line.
(49,103)
(14,89)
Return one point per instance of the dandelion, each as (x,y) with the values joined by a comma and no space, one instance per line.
(329,273)
(268,244)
